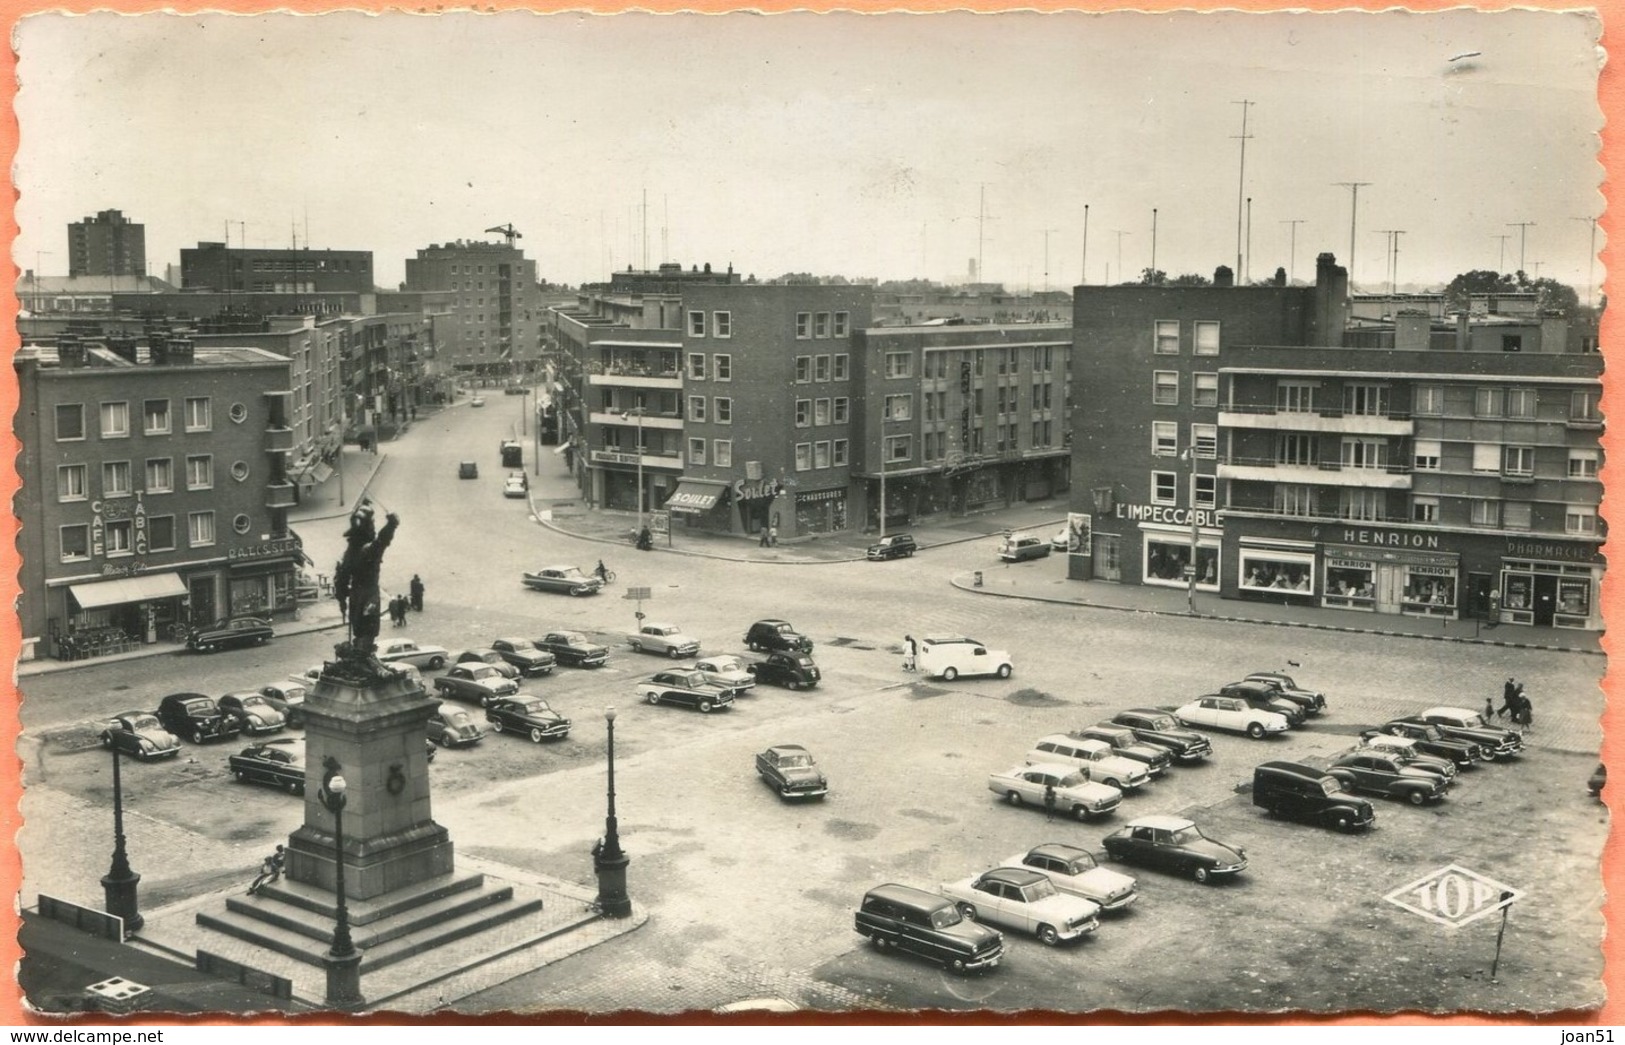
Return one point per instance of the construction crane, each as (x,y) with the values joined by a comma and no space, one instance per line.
(507,230)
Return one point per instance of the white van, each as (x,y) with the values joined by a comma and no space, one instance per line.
(1020,547)
(949,658)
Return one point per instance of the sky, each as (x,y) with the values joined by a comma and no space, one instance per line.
(889,146)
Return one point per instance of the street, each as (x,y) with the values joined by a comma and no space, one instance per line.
(753,896)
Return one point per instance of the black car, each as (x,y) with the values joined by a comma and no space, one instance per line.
(278,763)
(1301,792)
(529,715)
(911,920)
(1160,729)
(573,649)
(138,733)
(233,631)
(196,717)
(1174,844)
(524,655)
(1430,740)
(1126,744)
(894,546)
(777,636)
(790,670)
(1266,697)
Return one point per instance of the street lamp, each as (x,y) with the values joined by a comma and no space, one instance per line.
(608,861)
(639,448)
(119,882)
(1189,454)
(343,959)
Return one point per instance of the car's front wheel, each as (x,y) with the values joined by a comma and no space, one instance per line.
(794,684)
(535,736)
(296,787)
(705,707)
(1256,730)
(445,740)
(1014,797)
(496,725)
(1200,873)
(107,740)
(967,912)
(1004,671)
(241,775)
(1417,798)
(1344,822)
(1080,812)
(674,653)
(1048,936)
(654,698)
(949,674)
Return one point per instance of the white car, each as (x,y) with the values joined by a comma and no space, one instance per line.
(1075,871)
(949,658)
(665,639)
(1020,898)
(1074,794)
(514,485)
(410,651)
(728,671)
(1095,758)
(477,401)
(1404,749)
(1232,714)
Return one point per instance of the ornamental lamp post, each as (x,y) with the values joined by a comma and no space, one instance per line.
(608,860)
(1189,453)
(639,448)
(119,883)
(343,959)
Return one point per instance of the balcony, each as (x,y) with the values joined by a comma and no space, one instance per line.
(671,422)
(649,459)
(278,440)
(1270,418)
(638,377)
(279,495)
(1324,473)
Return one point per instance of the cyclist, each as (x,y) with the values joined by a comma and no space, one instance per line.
(270,870)
(602,571)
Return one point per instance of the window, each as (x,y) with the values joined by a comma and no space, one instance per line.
(1486,457)
(199,415)
(1365,400)
(116,479)
(899,448)
(161,533)
(1582,464)
(1579,519)
(843,409)
(1425,455)
(71,480)
(1205,491)
(821,411)
(899,364)
(1517,515)
(722,324)
(1521,402)
(803,324)
(1164,438)
(1165,387)
(821,454)
(722,366)
(1424,509)
(1204,389)
(803,457)
(1365,453)
(1364,505)
(1582,407)
(1488,402)
(696,451)
(899,407)
(722,453)
(1206,337)
(115,420)
(1206,440)
(116,537)
(1294,499)
(803,413)
(843,324)
(1429,399)
(842,361)
(1296,448)
(1486,513)
(160,475)
(838,453)
(1512,342)
(200,528)
(821,325)
(1164,488)
(803,369)
(1166,337)
(696,366)
(155,414)
(75,542)
(821,368)
(1295,397)
(723,410)
(696,324)
(70,421)
(1518,461)
(199,472)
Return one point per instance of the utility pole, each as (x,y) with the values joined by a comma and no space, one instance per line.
(1292,258)
(1388,257)
(981,269)
(1046,258)
(1241,180)
(1248,264)
(1523,238)
(1153,242)
(1393,281)
(1084,278)
(1120,235)
(646,229)
(1591,258)
(1503,237)
(1354,211)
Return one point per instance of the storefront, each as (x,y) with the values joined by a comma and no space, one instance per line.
(116,615)
(1165,552)
(821,511)
(1422,584)
(1551,583)
(1283,569)
(700,506)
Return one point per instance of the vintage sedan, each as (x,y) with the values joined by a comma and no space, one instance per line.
(523,654)
(477,401)
(195,717)
(1405,750)
(1125,744)
(288,698)
(515,485)
(1231,714)
(253,713)
(790,670)
(139,733)
(1376,772)
(1430,740)
(1094,757)
(730,671)
(565,580)
(454,727)
(665,639)
(1174,844)
(233,631)
(1075,871)
(687,687)
(573,649)
(780,635)
(410,651)
(791,771)
(277,763)
(475,684)
(1020,898)
(1266,697)
(1312,701)
(892,546)
(1497,744)
(531,716)
(1051,785)
(486,655)
(1158,728)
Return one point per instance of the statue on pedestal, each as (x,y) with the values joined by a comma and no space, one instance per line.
(355,585)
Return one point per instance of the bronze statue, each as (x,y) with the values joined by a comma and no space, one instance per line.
(356,587)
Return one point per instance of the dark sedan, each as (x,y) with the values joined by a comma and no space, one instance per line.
(1159,729)
(529,715)
(791,771)
(454,727)
(276,763)
(485,655)
(523,654)
(139,733)
(1430,740)
(573,649)
(195,717)
(253,713)
(1174,844)
(685,686)
(790,670)
(225,634)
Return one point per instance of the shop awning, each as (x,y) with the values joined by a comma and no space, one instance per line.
(691,499)
(322,472)
(94,595)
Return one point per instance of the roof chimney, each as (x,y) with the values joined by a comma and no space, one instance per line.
(174,351)
(1223,277)
(70,351)
(123,347)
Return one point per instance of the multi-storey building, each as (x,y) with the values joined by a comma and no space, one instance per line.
(154,490)
(215,266)
(1441,469)
(494,305)
(108,244)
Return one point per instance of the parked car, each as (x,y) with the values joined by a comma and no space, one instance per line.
(513,454)
(410,651)
(225,634)
(1597,781)
(776,635)
(454,727)
(515,485)
(1498,744)
(195,717)
(139,733)
(687,687)
(468,470)
(475,684)
(1300,792)
(1075,871)
(1094,758)
(523,654)
(1074,794)
(1174,844)
(1231,714)
(1022,899)
(277,763)
(1020,547)
(1158,728)
(1404,749)
(791,770)
(917,922)
(949,658)
(252,713)
(730,671)
(487,655)
(573,649)
(1061,541)
(562,580)
(288,698)
(892,546)
(531,716)
(665,639)
(1430,740)
(477,401)
(1265,697)
(1383,774)
(1312,701)
(790,670)
(1126,745)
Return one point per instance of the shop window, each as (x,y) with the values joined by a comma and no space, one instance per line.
(1295,499)
(1362,505)
(1579,519)
(1424,509)
(1277,571)
(696,451)
(1295,397)
(1574,596)
(160,475)
(1486,457)
(722,453)
(1165,563)
(1205,491)
(1425,455)
(723,410)
(1205,335)
(1521,403)
(1429,399)
(1519,589)
(1165,387)
(72,482)
(1517,515)
(1164,438)
(75,542)
(1349,584)
(1164,488)
(1489,402)
(70,422)
(839,453)
(1518,461)
(1204,389)
(1583,464)
(1485,513)
(1429,589)
(1166,337)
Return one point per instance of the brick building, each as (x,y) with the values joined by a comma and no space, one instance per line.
(215,266)
(493,306)
(108,244)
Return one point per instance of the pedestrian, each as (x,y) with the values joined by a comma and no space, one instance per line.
(1489,710)
(1525,714)
(763,542)
(911,651)
(416,589)
(397,609)
(1509,700)
(1049,801)
(772,536)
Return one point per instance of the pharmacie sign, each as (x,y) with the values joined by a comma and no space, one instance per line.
(1160,513)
